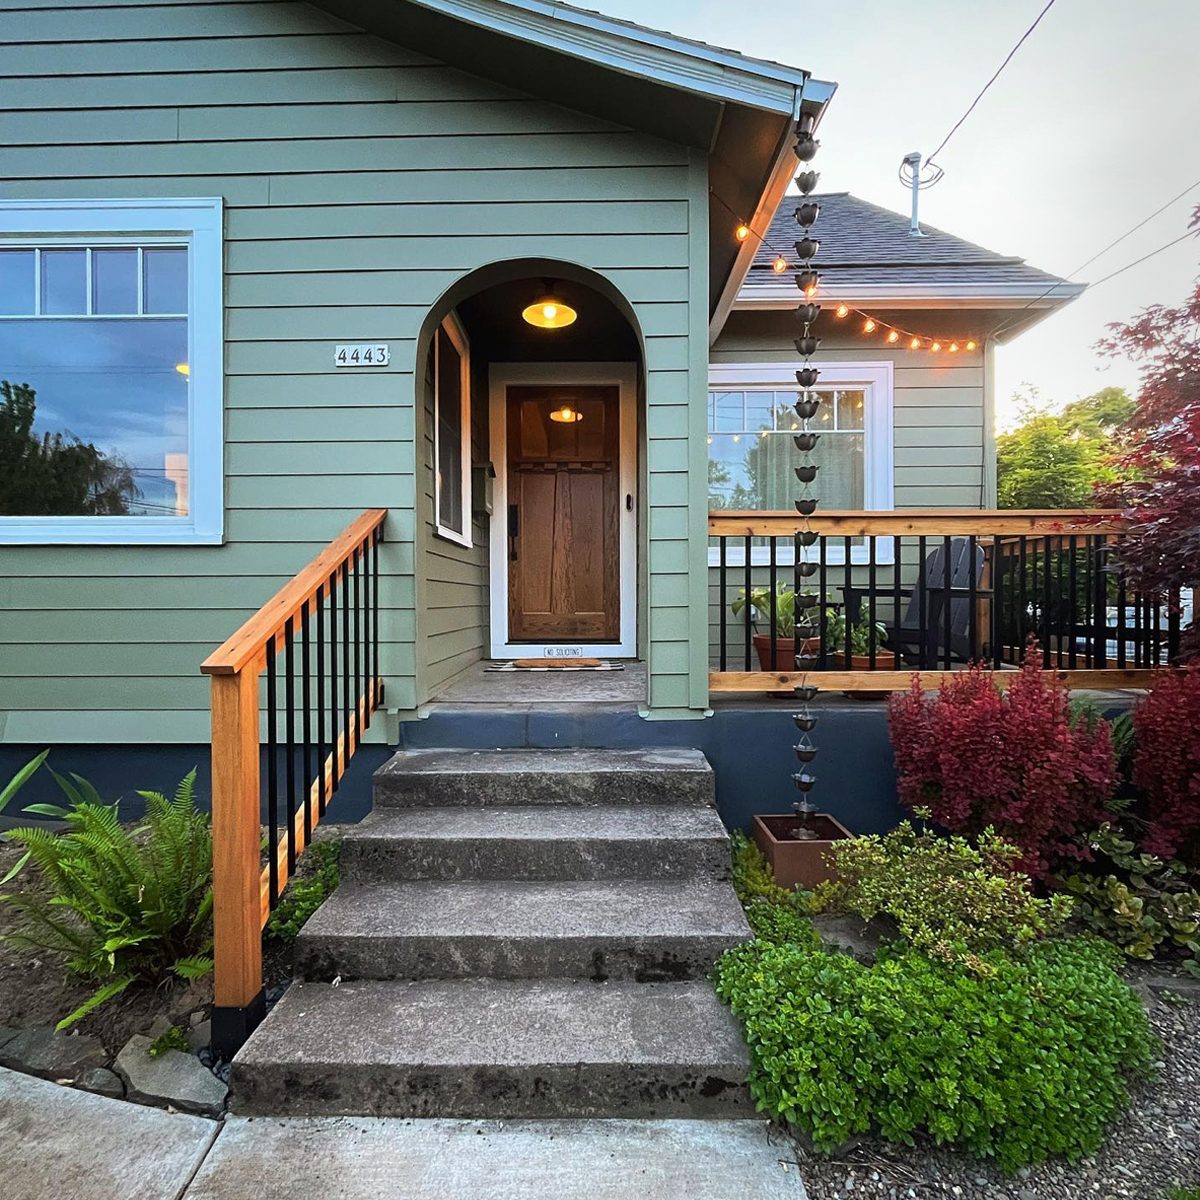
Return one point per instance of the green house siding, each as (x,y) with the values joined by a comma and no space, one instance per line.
(360,181)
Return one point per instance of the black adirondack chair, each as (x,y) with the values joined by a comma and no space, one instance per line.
(930,597)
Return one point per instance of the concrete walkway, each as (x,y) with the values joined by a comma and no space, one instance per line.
(61,1144)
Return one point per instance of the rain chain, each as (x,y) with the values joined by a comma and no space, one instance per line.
(808,606)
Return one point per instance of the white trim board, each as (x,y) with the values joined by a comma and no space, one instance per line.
(199,224)
(458,339)
(879,473)
(501,377)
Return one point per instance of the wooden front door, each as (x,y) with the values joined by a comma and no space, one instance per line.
(564,507)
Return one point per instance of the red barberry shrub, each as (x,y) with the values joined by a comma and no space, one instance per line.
(1166,765)
(976,757)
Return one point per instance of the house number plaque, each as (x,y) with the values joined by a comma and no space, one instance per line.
(362,354)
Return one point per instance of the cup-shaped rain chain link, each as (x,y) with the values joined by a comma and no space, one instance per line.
(808,607)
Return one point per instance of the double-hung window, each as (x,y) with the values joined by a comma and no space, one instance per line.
(751,454)
(111,372)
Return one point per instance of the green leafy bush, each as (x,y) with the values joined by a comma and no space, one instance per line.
(1029,1061)
(752,880)
(1143,904)
(778,923)
(306,893)
(951,899)
(123,905)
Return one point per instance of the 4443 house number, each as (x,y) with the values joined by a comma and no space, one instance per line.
(362,354)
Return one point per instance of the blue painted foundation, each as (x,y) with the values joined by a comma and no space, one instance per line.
(750,750)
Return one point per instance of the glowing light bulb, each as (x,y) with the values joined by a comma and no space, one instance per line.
(184,369)
(842,310)
(737,437)
(779,265)
(935,346)
(869,327)
(953,347)
(742,232)
(893,336)
(710,439)
(915,344)
(970,345)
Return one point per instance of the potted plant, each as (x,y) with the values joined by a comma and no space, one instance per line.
(862,636)
(785,626)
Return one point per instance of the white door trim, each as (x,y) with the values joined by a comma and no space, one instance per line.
(624,377)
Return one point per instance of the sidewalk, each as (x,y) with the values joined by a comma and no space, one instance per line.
(60,1144)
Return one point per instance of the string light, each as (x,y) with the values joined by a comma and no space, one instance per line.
(842,310)
(970,345)
(870,326)
(953,347)
(935,346)
(915,344)
(894,336)
(742,232)
(779,265)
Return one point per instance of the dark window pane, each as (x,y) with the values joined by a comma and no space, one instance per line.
(450,431)
(16,282)
(93,418)
(166,281)
(114,281)
(64,282)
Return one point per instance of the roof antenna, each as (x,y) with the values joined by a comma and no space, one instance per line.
(912,176)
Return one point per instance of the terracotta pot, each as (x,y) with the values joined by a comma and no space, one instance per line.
(802,862)
(884,661)
(785,651)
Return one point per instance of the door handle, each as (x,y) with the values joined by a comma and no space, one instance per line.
(514,529)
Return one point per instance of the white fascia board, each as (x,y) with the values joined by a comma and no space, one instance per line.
(916,295)
(633,50)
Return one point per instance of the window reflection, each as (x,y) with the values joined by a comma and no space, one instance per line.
(93,416)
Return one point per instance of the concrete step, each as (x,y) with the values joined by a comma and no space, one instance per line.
(538,842)
(517,777)
(488,1048)
(624,929)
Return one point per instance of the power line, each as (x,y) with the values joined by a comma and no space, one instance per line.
(1178,196)
(1138,261)
(989,83)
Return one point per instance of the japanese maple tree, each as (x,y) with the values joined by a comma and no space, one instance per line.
(1161,466)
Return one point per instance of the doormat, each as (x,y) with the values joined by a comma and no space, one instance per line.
(556,664)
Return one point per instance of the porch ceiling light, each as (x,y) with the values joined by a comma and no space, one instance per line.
(566,415)
(549,312)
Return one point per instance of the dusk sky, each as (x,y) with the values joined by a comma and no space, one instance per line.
(1090,128)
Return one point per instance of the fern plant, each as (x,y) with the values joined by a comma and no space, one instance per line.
(124,905)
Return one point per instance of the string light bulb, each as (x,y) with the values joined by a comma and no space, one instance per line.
(742,232)
(970,345)
(894,336)
(870,326)
(779,265)
(935,346)
(915,344)
(953,347)
(842,311)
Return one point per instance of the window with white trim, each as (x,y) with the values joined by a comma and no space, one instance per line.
(751,421)
(111,372)
(452,433)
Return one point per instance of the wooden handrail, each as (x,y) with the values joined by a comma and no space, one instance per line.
(251,639)
(243,888)
(917,522)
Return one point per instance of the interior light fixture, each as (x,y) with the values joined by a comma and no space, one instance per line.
(566,415)
(549,311)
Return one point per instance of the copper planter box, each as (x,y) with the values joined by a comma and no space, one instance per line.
(798,862)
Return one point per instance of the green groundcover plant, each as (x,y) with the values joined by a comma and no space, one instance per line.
(119,905)
(1029,1060)
(305,894)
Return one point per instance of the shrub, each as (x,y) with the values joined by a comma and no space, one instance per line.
(779,924)
(950,899)
(1029,1062)
(1013,761)
(306,893)
(1166,765)
(1141,904)
(124,905)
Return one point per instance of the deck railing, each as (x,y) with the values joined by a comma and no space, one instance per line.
(304,668)
(940,588)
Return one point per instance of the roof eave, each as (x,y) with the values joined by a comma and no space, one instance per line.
(918,295)
(650,54)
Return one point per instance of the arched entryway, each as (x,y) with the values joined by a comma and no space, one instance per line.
(528,491)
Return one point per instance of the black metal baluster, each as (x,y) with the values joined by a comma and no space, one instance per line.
(1058,599)
(847,571)
(368,691)
(1100,604)
(272,779)
(376,685)
(1174,603)
(289,700)
(823,616)
(897,619)
(1023,567)
(335,732)
(358,719)
(1121,627)
(972,598)
(348,730)
(1072,602)
(922,605)
(947,583)
(996,608)
(722,601)
(322,798)
(1046,603)
(774,613)
(871,598)
(306,724)
(747,611)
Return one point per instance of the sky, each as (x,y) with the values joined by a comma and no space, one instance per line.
(1090,128)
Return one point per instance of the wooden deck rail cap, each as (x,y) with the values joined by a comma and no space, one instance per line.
(928,522)
(238,651)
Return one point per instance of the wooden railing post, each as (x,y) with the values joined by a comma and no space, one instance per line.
(238,997)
